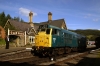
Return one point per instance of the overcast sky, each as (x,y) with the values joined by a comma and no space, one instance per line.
(78,14)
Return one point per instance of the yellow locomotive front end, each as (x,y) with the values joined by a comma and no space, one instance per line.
(42,42)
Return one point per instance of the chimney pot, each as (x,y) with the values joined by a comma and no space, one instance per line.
(30,14)
(49,13)
(49,16)
(30,19)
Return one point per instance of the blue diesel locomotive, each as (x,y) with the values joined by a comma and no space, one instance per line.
(52,40)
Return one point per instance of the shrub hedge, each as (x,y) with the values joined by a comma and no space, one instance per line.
(2,41)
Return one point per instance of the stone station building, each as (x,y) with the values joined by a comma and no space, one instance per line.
(23,33)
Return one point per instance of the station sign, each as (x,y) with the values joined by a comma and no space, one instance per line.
(13,32)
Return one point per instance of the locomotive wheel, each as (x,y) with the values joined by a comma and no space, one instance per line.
(67,50)
(74,49)
(53,55)
(82,49)
(32,53)
(60,51)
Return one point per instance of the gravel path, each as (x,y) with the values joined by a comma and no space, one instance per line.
(92,59)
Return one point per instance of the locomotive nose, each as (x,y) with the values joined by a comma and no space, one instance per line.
(42,40)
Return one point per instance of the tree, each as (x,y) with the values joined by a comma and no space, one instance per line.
(2,19)
(2,33)
(8,16)
(21,20)
(17,18)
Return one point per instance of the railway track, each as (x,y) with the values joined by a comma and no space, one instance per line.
(33,60)
(15,55)
(65,59)
(70,60)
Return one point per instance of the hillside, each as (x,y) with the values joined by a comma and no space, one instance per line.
(91,34)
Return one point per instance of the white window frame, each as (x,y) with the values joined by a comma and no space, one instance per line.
(30,39)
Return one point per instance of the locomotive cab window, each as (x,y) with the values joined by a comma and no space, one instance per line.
(45,30)
(48,31)
(55,32)
(42,30)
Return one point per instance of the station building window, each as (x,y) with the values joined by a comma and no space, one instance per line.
(31,39)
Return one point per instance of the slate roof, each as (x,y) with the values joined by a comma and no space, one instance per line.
(24,26)
(57,23)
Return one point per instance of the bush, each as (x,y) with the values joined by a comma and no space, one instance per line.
(2,41)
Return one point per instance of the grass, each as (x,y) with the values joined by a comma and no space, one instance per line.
(2,41)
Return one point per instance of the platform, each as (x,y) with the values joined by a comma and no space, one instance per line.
(92,59)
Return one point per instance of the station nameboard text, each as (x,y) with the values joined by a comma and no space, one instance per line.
(13,32)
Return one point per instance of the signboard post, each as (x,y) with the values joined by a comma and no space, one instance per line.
(7,40)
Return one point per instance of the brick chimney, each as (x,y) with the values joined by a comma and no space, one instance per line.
(30,19)
(49,17)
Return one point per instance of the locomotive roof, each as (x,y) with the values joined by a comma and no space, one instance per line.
(67,31)
(51,26)
(63,30)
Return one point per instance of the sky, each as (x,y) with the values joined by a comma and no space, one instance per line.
(78,14)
